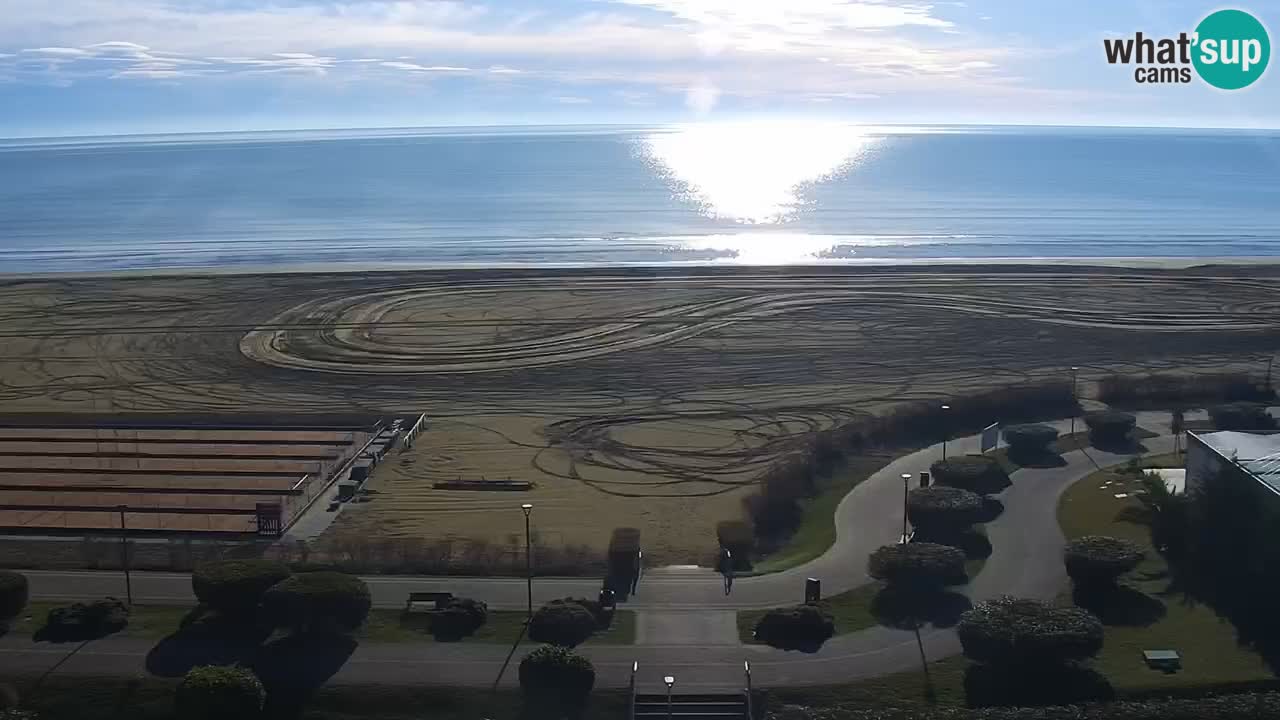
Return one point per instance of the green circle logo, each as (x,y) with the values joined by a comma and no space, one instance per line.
(1232,49)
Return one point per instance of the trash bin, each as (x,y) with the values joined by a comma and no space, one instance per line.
(924,479)
(812,590)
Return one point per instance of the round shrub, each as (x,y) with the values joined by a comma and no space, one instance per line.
(236,587)
(14,594)
(563,623)
(317,601)
(459,618)
(1242,416)
(920,565)
(1109,425)
(1012,632)
(943,510)
(556,675)
(1099,560)
(209,692)
(802,626)
(975,473)
(1031,439)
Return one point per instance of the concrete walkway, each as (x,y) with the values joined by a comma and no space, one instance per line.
(685,624)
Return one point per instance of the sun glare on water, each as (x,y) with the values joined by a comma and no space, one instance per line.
(753,173)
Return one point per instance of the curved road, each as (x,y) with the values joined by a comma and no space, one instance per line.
(685,622)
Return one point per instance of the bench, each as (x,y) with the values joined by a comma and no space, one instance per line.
(439,598)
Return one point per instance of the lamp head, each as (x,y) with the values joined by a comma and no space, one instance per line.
(669,680)
(527,508)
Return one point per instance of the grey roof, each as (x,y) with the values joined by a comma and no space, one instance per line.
(1258,454)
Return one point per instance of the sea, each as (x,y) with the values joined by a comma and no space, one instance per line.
(746,194)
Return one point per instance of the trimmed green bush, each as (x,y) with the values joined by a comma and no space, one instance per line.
(1012,631)
(1162,390)
(943,510)
(209,692)
(1033,439)
(236,587)
(459,618)
(917,565)
(975,473)
(563,623)
(1109,426)
(85,621)
(1099,560)
(14,594)
(554,678)
(799,627)
(317,601)
(1242,416)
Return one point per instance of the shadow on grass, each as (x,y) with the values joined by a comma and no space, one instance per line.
(1120,605)
(911,610)
(294,667)
(1022,686)
(205,640)
(1037,459)
(973,543)
(992,508)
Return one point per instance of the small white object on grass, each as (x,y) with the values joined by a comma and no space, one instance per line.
(1122,495)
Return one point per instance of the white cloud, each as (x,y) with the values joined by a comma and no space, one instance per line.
(57,52)
(397,65)
(572,100)
(503,70)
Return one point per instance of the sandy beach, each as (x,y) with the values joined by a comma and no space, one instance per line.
(645,397)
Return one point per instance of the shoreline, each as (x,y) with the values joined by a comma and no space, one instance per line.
(1003,264)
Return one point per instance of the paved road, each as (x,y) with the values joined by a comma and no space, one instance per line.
(685,617)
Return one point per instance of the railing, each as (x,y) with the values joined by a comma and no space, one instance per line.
(631,704)
(746,669)
(413,432)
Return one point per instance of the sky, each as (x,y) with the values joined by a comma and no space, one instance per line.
(86,67)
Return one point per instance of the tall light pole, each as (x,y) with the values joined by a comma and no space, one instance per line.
(669,680)
(1075,399)
(124,555)
(528,555)
(945,430)
(906,483)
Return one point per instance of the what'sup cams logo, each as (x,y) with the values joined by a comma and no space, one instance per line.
(1229,50)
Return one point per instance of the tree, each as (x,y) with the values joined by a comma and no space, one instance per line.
(563,623)
(217,693)
(14,594)
(1012,632)
(1098,560)
(917,565)
(1109,426)
(976,473)
(556,679)
(317,601)
(943,511)
(236,587)
(1029,440)
(800,627)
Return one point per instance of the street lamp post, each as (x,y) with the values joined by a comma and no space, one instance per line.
(669,680)
(906,483)
(945,430)
(124,555)
(1075,400)
(528,555)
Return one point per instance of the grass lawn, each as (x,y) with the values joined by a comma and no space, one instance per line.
(503,627)
(1207,644)
(817,529)
(899,690)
